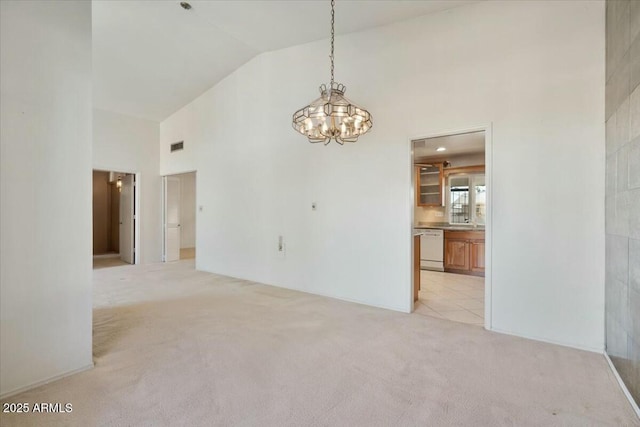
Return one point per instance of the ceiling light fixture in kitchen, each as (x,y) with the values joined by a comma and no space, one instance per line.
(332,116)
(441,149)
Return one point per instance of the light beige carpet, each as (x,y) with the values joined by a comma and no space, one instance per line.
(178,347)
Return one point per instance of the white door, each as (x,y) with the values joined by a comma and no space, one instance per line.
(127,219)
(172,218)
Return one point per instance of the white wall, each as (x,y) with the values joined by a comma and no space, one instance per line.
(45,182)
(535,70)
(187,210)
(129,144)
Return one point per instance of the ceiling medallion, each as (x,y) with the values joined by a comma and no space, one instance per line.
(332,116)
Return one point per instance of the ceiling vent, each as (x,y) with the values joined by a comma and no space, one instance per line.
(176,146)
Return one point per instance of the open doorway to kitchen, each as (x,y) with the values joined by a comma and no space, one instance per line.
(179,215)
(114,218)
(450,223)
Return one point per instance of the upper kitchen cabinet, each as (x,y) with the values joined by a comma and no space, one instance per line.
(429,179)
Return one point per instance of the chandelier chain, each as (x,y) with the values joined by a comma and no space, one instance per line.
(333,3)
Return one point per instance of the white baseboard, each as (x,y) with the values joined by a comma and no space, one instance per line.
(306,291)
(45,381)
(563,344)
(623,386)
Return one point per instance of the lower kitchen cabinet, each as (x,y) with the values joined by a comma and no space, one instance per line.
(464,252)
(456,254)
(477,256)
(416,267)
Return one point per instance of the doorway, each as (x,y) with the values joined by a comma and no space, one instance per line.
(114,217)
(451,219)
(179,215)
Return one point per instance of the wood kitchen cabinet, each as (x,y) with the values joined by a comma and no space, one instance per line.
(429,180)
(456,254)
(464,252)
(476,258)
(416,267)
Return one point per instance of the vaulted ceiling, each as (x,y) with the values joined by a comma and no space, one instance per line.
(150,57)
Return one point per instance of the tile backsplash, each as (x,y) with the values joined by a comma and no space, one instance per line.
(430,214)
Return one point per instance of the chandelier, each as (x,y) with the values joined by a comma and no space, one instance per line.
(332,116)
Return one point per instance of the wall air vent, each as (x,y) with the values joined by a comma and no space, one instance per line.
(177,146)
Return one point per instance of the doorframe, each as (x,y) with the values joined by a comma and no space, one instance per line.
(136,201)
(163,207)
(488,160)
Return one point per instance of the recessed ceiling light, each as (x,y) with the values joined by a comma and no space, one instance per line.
(441,149)
(185,5)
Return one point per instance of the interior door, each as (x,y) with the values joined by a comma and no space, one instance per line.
(127,219)
(172,218)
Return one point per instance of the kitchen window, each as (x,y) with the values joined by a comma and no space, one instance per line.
(467,201)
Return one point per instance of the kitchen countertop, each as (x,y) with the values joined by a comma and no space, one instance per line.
(447,226)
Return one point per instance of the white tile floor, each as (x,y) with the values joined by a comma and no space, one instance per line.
(451,296)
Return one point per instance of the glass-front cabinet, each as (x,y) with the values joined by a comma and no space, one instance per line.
(429,184)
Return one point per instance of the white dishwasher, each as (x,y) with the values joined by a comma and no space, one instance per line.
(432,250)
